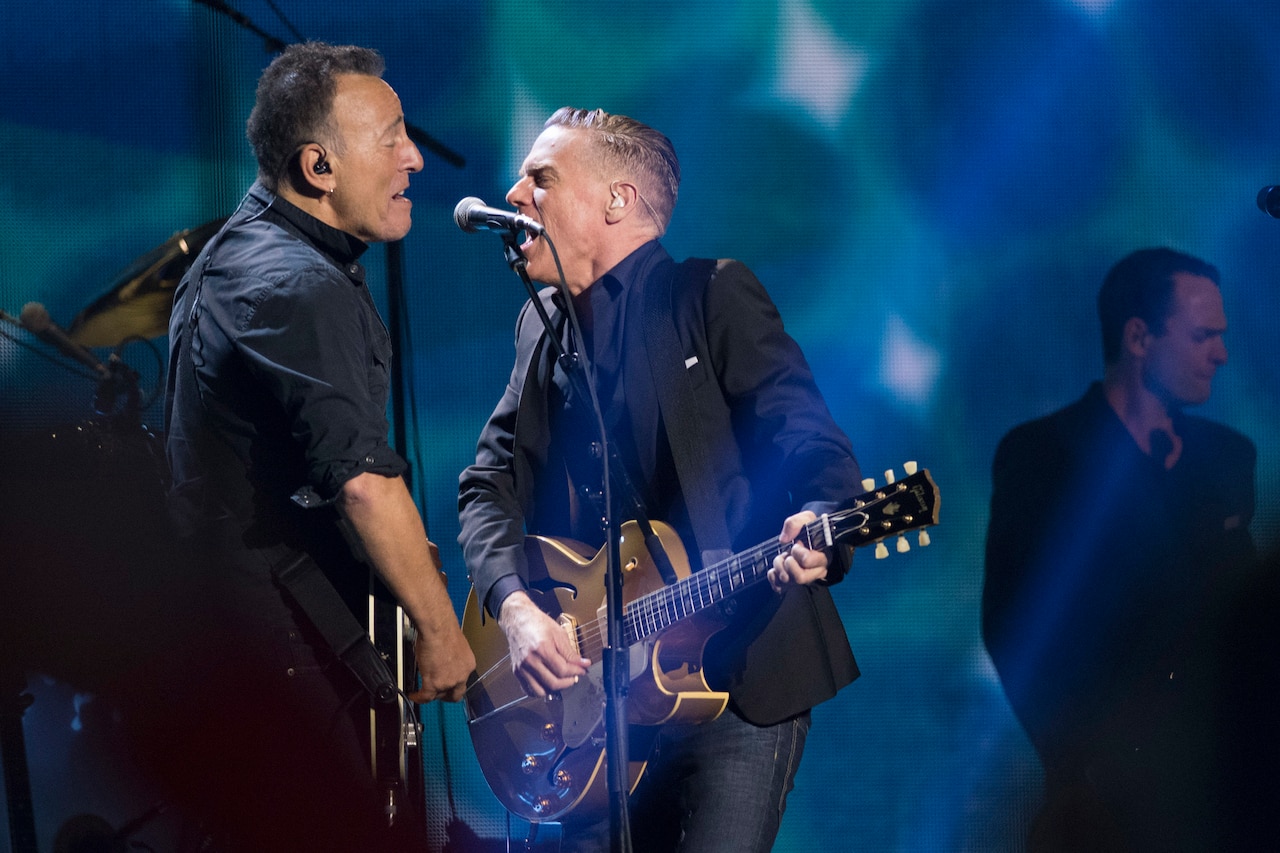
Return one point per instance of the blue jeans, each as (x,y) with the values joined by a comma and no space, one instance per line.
(709,788)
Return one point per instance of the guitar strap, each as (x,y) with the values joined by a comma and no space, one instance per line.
(330,615)
(677,397)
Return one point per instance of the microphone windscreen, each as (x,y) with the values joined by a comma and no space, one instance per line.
(462,212)
(35,317)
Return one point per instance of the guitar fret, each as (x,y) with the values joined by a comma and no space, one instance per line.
(663,608)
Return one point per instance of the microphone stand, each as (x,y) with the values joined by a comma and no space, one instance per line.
(615,658)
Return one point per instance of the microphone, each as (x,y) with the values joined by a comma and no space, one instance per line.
(1269,201)
(35,319)
(473,215)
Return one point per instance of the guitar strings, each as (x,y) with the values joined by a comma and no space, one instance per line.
(662,603)
(643,616)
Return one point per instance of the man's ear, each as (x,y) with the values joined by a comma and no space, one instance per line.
(314,169)
(1136,337)
(623,198)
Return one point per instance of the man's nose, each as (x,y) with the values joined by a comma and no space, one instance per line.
(514,194)
(413,162)
(1220,352)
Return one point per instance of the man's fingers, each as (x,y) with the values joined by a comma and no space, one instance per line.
(427,693)
(799,566)
(540,675)
(794,524)
(778,574)
(452,693)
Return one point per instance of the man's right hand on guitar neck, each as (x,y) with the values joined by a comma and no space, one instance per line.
(543,656)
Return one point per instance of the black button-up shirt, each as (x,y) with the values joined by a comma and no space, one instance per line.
(279,373)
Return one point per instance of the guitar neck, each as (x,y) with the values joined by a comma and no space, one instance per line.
(661,609)
(871,517)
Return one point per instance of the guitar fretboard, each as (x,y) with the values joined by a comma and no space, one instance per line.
(662,608)
(895,508)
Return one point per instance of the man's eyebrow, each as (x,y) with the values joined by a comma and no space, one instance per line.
(536,169)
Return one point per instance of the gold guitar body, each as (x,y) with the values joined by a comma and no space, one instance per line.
(544,757)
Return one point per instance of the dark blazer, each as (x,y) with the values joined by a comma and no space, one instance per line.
(1108,584)
(772,448)
(1098,562)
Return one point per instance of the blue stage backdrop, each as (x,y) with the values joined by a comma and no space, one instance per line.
(932,191)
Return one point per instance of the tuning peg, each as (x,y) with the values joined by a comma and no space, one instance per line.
(868,484)
(924,539)
(910,468)
(889,477)
(881,551)
(903,545)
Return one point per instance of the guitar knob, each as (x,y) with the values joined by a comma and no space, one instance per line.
(530,764)
(542,805)
(563,779)
(550,732)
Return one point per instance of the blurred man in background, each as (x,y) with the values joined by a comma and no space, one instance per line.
(1119,529)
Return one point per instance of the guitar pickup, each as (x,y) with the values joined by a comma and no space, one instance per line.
(570,627)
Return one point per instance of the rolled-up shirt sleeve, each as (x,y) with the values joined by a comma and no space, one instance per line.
(317,346)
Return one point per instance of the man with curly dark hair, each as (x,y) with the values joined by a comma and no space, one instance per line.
(277,441)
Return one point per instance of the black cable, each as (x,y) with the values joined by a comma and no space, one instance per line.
(49,357)
(288,24)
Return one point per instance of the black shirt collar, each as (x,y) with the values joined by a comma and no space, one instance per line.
(342,247)
(634,266)
(631,268)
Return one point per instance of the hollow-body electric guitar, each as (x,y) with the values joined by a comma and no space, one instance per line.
(544,757)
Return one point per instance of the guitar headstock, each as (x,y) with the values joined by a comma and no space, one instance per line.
(896,508)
